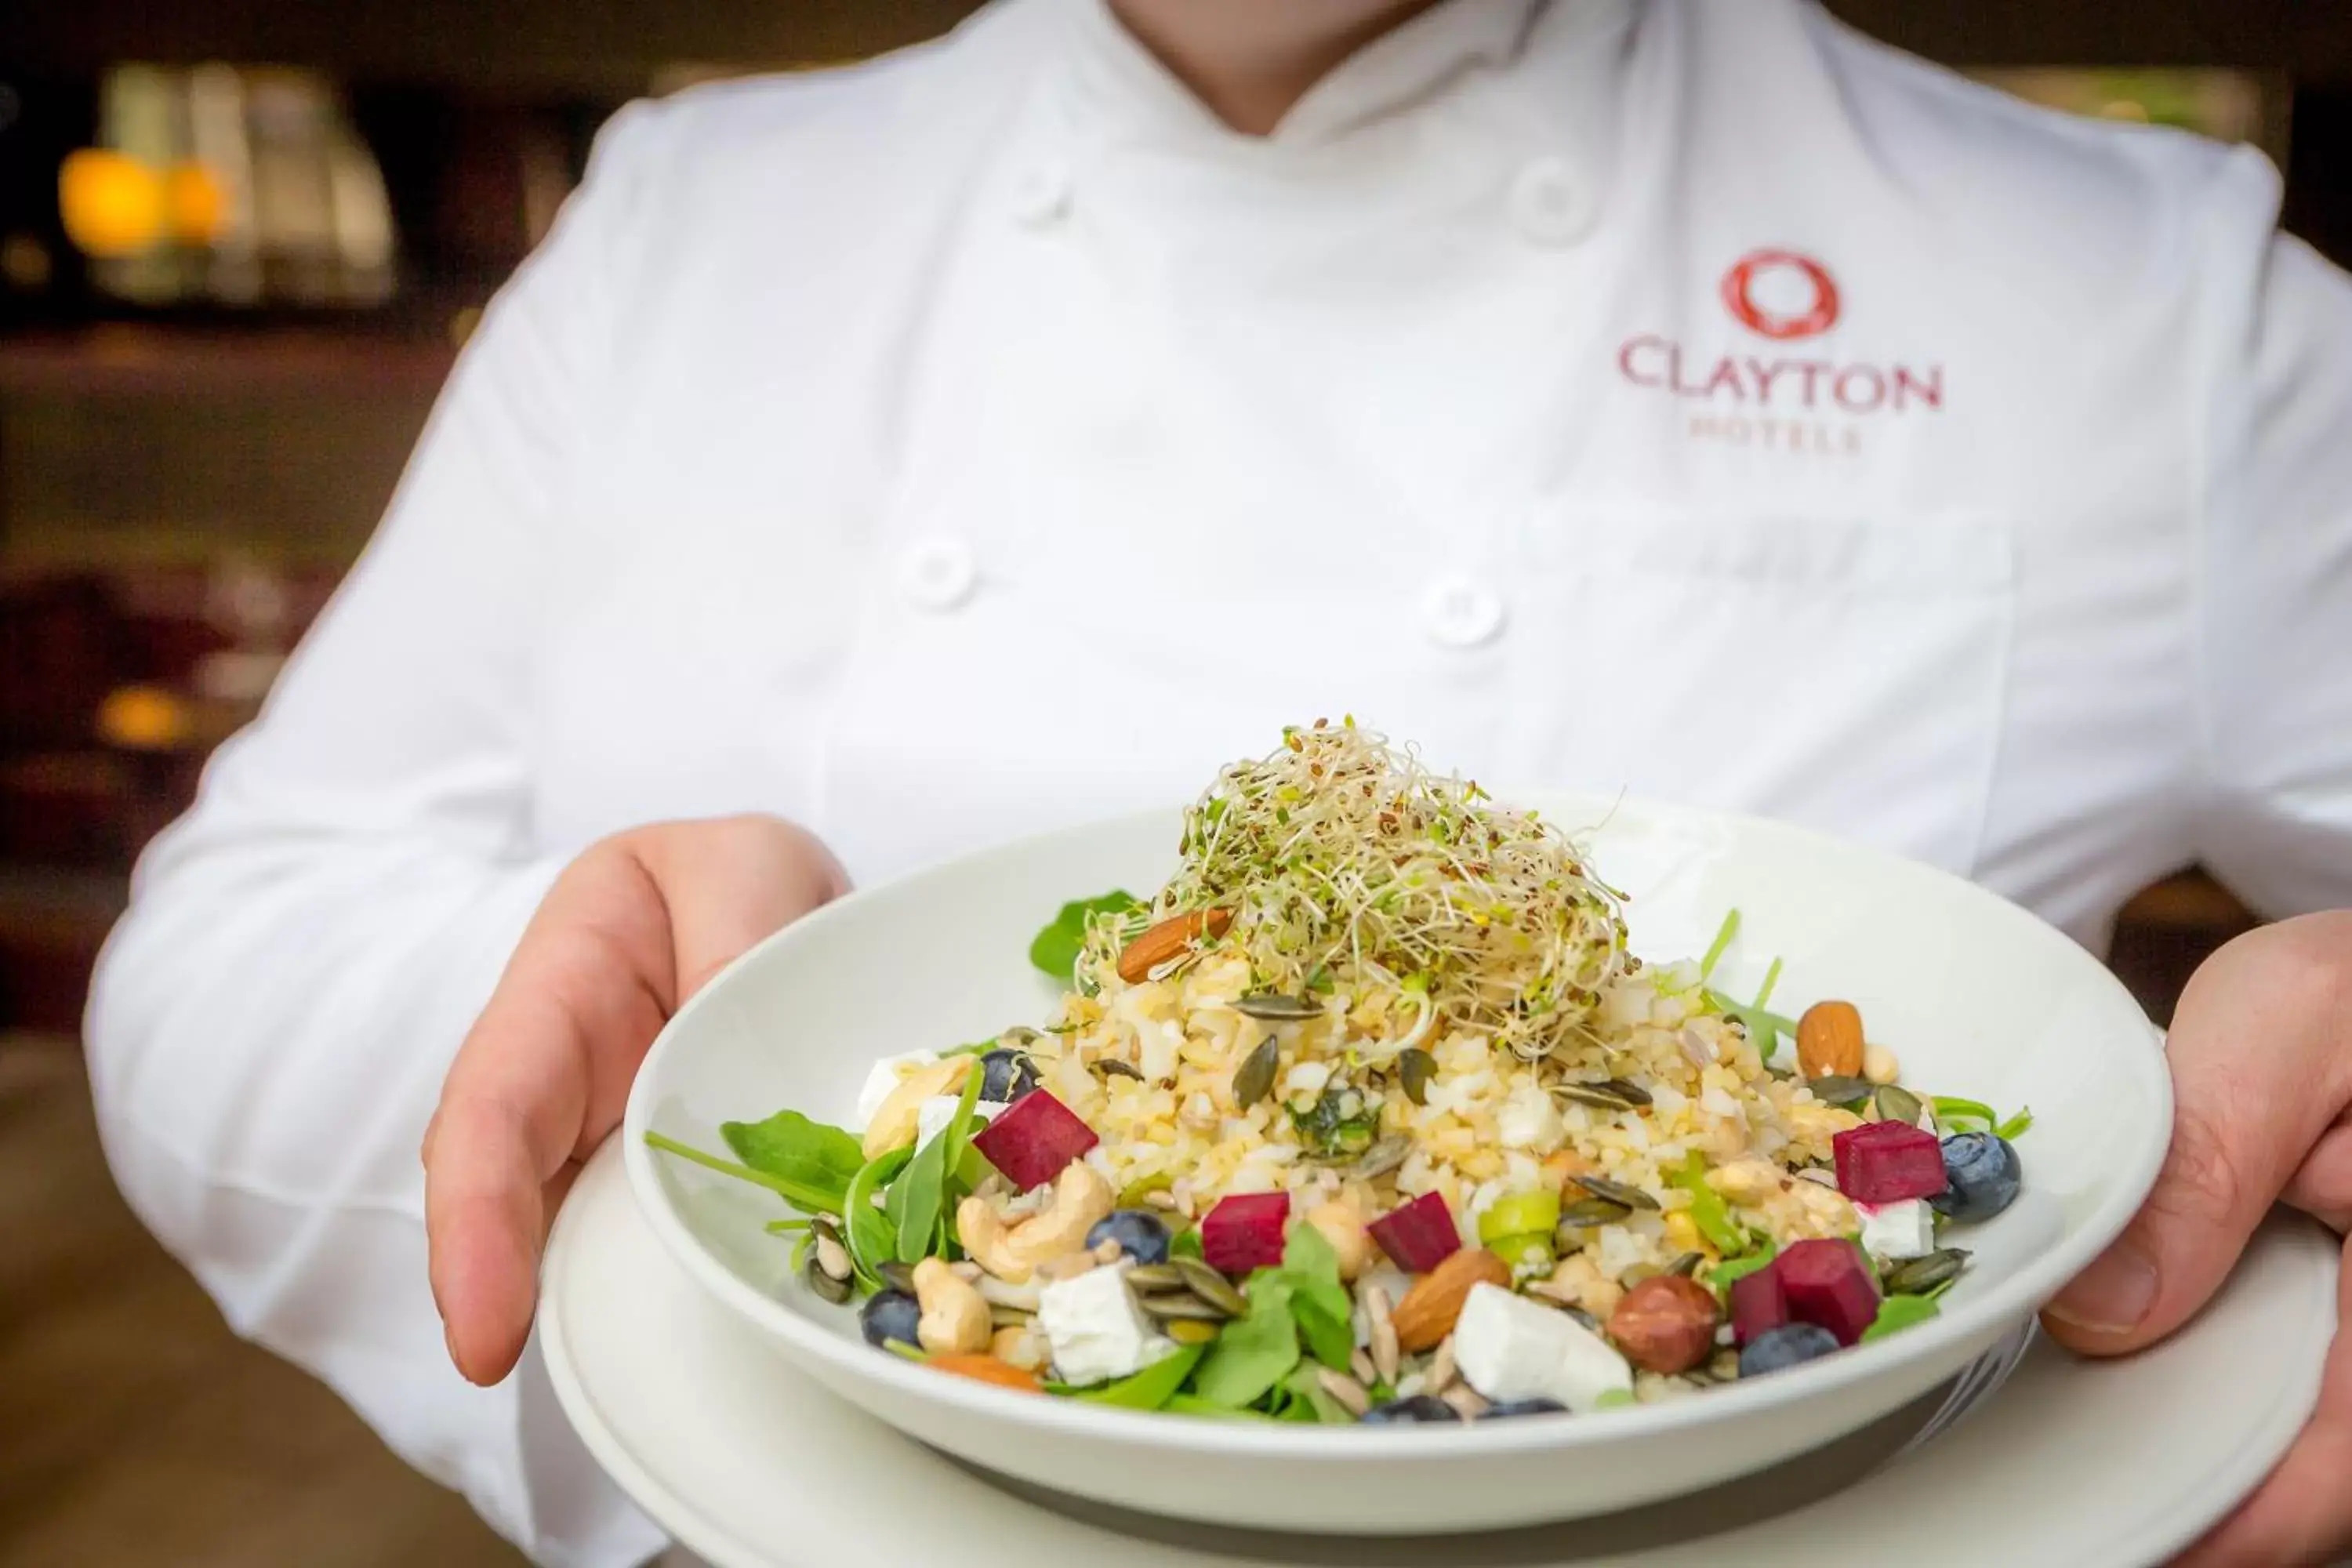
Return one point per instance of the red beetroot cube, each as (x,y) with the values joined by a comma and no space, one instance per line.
(1244,1232)
(1034,1140)
(1759,1303)
(1831,1284)
(1886,1161)
(1418,1236)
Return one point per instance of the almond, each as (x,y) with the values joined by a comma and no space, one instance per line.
(1430,1309)
(1166,940)
(1829,1040)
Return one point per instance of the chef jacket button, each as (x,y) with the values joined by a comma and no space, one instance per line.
(1041,194)
(1459,612)
(1552,204)
(937,575)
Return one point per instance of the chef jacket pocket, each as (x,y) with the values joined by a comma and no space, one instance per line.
(1843,671)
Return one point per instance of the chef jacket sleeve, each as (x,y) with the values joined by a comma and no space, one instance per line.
(304,951)
(2271,605)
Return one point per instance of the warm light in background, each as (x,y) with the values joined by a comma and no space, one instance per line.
(111,205)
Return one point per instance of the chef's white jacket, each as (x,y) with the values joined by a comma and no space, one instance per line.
(1687,396)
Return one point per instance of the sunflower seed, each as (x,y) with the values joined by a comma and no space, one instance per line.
(1590,1212)
(1360,1363)
(821,1285)
(1188,1331)
(1617,1193)
(1610,1094)
(1211,1286)
(830,1258)
(1349,1394)
(1440,1375)
(899,1276)
(1156,1277)
(1382,1158)
(1914,1275)
(1277,1008)
(1467,1401)
(1255,1078)
(1839,1089)
(1174,1306)
(1896,1103)
(1416,1068)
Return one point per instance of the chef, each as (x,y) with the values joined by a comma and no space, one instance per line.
(1686,396)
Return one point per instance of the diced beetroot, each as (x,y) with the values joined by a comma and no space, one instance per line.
(1886,1161)
(1031,1142)
(1418,1236)
(1828,1283)
(1759,1303)
(1244,1232)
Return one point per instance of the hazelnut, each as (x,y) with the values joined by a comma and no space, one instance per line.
(1666,1323)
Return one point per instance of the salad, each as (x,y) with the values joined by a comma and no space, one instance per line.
(1370,1117)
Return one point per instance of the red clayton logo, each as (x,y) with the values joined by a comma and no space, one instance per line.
(1779,400)
(1762,293)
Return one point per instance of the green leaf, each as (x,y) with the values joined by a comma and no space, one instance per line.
(1306,1392)
(955,1162)
(811,1157)
(811,1199)
(1723,935)
(1149,1389)
(1193,1404)
(1254,1352)
(1320,1303)
(1896,1313)
(1724,1275)
(2015,1127)
(1957,1115)
(872,1238)
(1056,948)
(920,1193)
(1186,1244)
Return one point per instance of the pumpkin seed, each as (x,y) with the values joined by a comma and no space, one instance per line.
(1687,1263)
(1914,1275)
(1211,1286)
(1277,1008)
(1178,1306)
(1382,1158)
(1581,1316)
(899,1276)
(1254,1080)
(1839,1089)
(1156,1277)
(1616,1193)
(1610,1094)
(1416,1068)
(1188,1331)
(1896,1103)
(1111,1067)
(1589,1213)
(823,1285)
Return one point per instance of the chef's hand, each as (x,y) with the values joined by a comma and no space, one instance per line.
(2261,1051)
(627,932)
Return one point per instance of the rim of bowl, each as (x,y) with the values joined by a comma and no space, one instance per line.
(2002,1305)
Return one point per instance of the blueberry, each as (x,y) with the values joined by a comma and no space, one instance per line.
(1510,1407)
(1420,1407)
(889,1315)
(1006,1075)
(1981,1176)
(1791,1344)
(1141,1234)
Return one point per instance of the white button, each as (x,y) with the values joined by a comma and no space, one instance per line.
(1551,205)
(1459,613)
(1041,194)
(938,573)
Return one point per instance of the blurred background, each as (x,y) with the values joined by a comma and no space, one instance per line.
(240,242)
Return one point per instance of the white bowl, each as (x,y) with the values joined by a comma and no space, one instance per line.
(1977,997)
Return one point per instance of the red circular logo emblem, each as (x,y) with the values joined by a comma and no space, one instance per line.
(1779,294)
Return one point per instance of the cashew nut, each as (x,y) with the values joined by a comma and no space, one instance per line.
(1081,1197)
(1343,1227)
(895,1119)
(954,1320)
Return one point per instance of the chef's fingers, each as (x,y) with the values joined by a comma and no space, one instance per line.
(2323,1186)
(2257,1078)
(2303,1514)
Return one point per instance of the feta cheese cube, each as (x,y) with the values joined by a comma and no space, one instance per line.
(1506,1347)
(1095,1330)
(883,1077)
(1904,1229)
(939,1109)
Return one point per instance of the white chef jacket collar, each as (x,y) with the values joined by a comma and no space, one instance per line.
(1123,90)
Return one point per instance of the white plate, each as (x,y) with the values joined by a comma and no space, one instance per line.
(1978,997)
(751,1465)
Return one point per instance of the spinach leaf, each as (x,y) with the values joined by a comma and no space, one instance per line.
(809,1199)
(1152,1387)
(1056,948)
(1308,1399)
(871,1237)
(1896,1313)
(1319,1303)
(1193,1404)
(1254,1352)
(955,1178)
(1724,1275)
(810,1155)
(918,1197)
